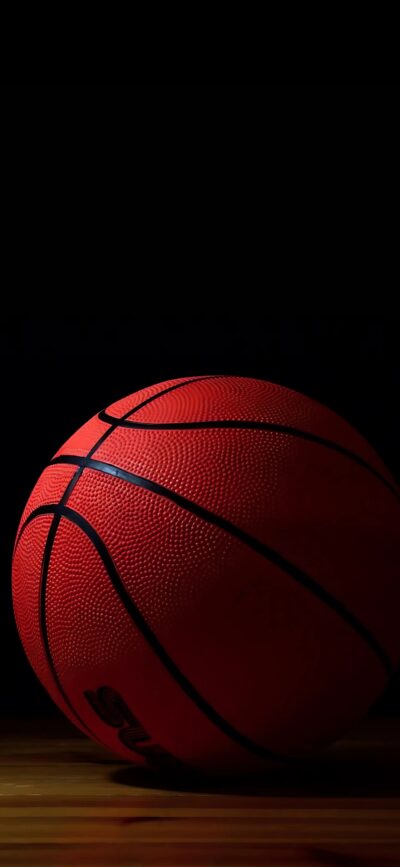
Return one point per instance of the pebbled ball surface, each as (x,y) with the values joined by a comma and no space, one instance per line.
(241,608)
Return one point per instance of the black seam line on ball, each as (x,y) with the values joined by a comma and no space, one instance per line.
(269,553)
(116,422)
(168,389)
(252,425)
(75,478)
(42,616)
(61,511)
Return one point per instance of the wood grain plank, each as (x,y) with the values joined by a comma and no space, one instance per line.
(64,801)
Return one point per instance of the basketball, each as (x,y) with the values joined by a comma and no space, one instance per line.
(205,576)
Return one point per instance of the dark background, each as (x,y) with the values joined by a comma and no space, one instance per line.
(59,372)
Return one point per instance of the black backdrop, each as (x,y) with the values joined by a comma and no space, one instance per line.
(59,372)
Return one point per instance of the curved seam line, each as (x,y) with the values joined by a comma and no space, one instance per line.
(134,612)
(68,491)
(250,425)
(168,389)
(48,550)
(260,547)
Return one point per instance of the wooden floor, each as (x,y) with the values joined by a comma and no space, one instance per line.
(63,801)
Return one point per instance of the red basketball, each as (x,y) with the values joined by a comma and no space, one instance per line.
(206,574)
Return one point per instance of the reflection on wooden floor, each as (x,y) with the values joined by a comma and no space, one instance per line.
(64,801)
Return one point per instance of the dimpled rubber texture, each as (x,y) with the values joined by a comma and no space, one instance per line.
(244,604)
